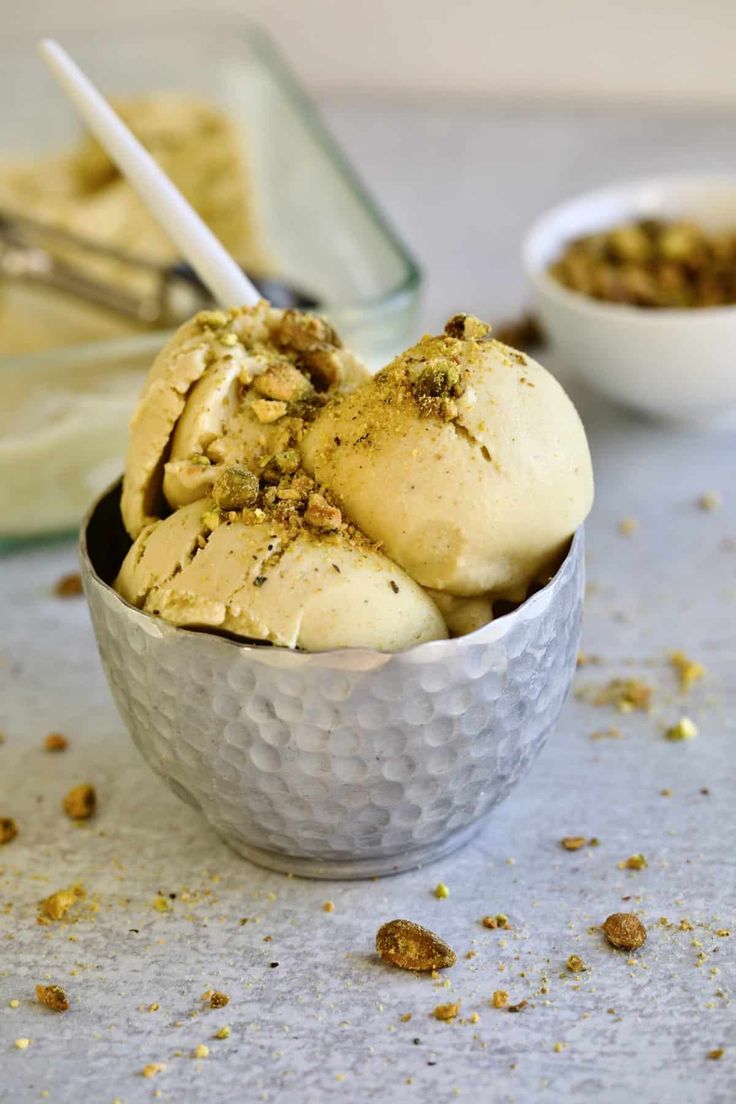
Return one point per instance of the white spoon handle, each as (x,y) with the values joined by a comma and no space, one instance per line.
(215,267)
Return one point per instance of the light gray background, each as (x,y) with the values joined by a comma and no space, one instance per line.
(325,1024)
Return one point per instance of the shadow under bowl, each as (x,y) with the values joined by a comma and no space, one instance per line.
(342,764)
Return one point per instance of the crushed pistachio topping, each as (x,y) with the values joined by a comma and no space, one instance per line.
(223,1033)
(409,946)
(625,931)
(441,890)
(81,802)
(234,488)
(573,843)
(575,964)
(500,998)
(153,1069)
(320,514)
(201,1051)
(447,1012)
(22,1044)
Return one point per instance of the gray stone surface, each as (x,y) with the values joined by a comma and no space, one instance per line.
(325,1024)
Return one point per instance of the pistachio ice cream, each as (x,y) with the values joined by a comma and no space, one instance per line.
(464,458)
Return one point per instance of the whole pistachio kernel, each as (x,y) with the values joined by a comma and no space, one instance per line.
(235,488)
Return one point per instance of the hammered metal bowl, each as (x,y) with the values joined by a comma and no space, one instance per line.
(343,764)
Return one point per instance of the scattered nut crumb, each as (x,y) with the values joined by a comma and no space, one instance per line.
(58,904)
(447,1011)
(499,921)
(684,729)
(268,410)
(14,1003)
(709,500)
(201,1051)
(634,862)
(441,890)
(518,1007)
(626,694)
(714,1054)
(23,1044)
(53,996)
(688,670)
(223,1033)
(628,526)
(80,802)
(8,830)
(405,1017)
(412,947)
(573,843)
(500,998)
(559,1047)
(685,925)
(575,964)
(218,1000)
(69,586)
(625,931)
(55,742)
(723,933)
(328,906)
(153,1068)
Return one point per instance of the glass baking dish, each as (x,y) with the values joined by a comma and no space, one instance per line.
(64,411)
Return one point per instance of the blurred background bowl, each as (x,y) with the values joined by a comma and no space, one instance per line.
(672,363)
(344,764)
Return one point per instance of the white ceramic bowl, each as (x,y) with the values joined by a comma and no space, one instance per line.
(679,364)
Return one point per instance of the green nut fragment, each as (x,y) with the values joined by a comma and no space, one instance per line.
(215,319)
(288,461)
(235,488)
(437,379)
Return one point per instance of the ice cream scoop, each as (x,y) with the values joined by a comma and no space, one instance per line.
(230,387)
(464,458)
(291,573)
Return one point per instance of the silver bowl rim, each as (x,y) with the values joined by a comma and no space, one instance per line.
(493,630)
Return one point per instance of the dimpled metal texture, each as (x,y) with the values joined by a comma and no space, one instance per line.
(348,763)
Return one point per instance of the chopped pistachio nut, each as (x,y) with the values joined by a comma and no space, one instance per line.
(284,382)
(8,830)
(625,931)
(688,670)
(218,1000)
(80,802)
(268,410)
(447,1011)
(201,1051)
(467,327)
(628,526)
(69,586)
(58,904)
(321,515)
(441,890)
(684,729)
(223,1033)
(235,488)
(573,843)
(153,1068)
(200,460)
(55,742)
(709,500)
(229,339)
(559,1047)
(634,862)
(211,520)
(288,461)
(328,906)
(715,1054)
(215,319)
(575,964)
(500,998)
(22,1044)
(498,921)
(409,946)
(53,996)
